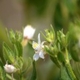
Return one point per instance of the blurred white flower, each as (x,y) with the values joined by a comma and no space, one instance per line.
(38,47)
(9,68)
(28,32)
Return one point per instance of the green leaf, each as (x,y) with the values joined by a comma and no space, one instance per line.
(2,72)
(73,38)
(61,57)
(11,35)
(75,53)
(19,63)
(61,37)
(10,77)
(8,53)
(27,66)
(18,48)
(55,60)
(1,64)
(50,35)
(14,36)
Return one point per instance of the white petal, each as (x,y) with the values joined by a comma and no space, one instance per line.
(41,54)
(9,68)
(39,40)
(35,56)
(28,32)
(42,44)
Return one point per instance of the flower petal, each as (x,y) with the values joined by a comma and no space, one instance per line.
(28,32)
(41,54)
(42,44)
(39,40)
(35,57)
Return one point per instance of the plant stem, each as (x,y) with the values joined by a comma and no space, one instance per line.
(33,77)
(70,71)
(69,68)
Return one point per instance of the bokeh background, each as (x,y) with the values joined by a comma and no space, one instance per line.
(16,14)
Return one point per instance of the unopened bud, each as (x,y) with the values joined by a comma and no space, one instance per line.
(9,68)
(28,32)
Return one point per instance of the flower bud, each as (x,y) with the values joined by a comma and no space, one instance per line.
(50,35)
(9,68)
(62,38)
(28,32)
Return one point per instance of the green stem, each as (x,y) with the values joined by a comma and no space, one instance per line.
(12,76)
(70,71)
(69,68)
(34,75)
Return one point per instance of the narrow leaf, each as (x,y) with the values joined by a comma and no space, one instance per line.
(18,48)
(8,53)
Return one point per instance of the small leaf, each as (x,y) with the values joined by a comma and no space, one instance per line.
(27,65)
(1,64)
(11,35)
(55,60)
(14,36)
(10,77)
(8,53)
(18,48)
(50,35)
(61,57)
(19,63)
(2,72)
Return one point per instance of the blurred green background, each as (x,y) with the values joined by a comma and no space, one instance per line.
(15,14)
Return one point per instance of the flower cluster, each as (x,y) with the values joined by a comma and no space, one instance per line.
(28,33)
(56,47)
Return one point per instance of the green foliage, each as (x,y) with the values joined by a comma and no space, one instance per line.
(59,54)
(62,48)
(8,53)
(14,36)
(50,35)
(14,55)
(18,48)
(73,40)
(2,73)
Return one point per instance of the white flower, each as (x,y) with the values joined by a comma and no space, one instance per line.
(9,68)
(38,47)
(28,32)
